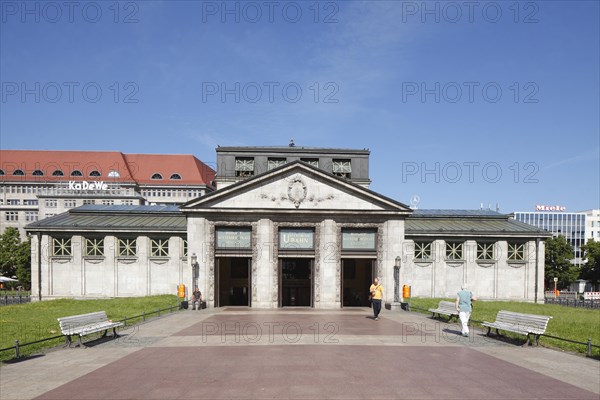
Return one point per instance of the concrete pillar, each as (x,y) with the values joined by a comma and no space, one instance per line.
(330,271)
(393,239)
(267,280)
(199,243)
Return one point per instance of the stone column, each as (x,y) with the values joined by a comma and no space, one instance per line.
(330,266)
(266,279)
(35,282)
(110,253)
(393,238)
(199,243)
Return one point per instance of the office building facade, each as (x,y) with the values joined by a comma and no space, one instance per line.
(40,184)
(570,225)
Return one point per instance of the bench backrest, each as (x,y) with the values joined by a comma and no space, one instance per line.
(533,321)
(447,305)
(77,321)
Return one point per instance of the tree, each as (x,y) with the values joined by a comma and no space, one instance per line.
(15,256)
(591,270)
(559,254)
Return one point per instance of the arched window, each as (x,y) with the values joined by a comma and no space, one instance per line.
(18,172)
(58,172)
(76,173)
(2,173)
(95,173)
(38,172)
(113,174)
(176,177)
(156,176)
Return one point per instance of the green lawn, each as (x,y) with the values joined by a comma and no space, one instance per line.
(577,324)
(34,321)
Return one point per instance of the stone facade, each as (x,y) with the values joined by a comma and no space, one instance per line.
(301,197)
(109,275)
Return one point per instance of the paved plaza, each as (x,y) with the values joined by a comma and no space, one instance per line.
(300,354)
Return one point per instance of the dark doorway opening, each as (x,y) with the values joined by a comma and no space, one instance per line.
(296,282)
(357,276)
(232,281)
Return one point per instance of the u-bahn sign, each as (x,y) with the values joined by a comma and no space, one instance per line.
(299,239)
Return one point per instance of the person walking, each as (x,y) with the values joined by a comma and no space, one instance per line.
(376,296)
(464,306)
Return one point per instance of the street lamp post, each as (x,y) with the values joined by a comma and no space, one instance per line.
(396,304)
(397,264)
(194,260)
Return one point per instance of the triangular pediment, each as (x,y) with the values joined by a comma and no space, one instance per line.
(296,186)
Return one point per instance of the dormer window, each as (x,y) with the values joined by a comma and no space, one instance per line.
(175,177)
(18,172)
(58,172)
(2,173)
(273,163)
(38,172)
(114,174)
(76,173)
(95,174)
(342,168)
(244,167)
(156,176)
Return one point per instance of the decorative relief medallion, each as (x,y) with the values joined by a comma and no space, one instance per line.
(297,191)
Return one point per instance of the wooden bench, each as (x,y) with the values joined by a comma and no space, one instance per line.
(445,307)
(85,324)
(524,324)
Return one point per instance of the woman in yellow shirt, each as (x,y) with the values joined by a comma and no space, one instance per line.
(376,296)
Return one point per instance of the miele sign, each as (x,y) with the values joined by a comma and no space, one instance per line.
(541,207)
(84,185)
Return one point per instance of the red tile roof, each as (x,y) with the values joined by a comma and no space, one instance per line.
(111,166)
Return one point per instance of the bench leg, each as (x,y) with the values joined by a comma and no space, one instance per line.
(489,331)
(537,340)
(432,315)
(80,343)
(115,334)
(528,341)
(67,340)
(105,333)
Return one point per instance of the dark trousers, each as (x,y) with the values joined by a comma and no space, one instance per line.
(376,307)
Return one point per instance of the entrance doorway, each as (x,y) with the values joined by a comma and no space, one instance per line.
(357,276)
(295,282)
(232,281)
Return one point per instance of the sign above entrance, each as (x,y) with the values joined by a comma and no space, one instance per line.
(358,240)
(234,238)
(298,239)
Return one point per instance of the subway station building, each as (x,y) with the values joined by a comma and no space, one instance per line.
(286,227)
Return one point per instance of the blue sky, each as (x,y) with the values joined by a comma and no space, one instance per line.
(496,102)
